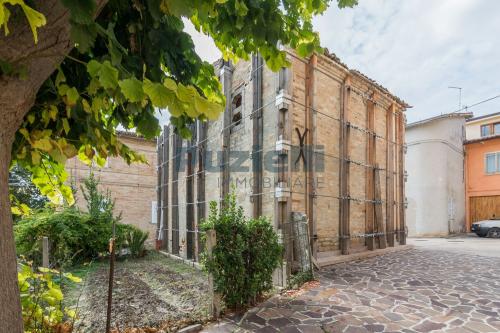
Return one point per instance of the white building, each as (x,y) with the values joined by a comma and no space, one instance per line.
(436,186)
(483,126)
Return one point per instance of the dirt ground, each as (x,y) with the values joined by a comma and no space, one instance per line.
(154,291)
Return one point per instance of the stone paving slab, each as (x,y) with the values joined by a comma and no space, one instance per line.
(412,291)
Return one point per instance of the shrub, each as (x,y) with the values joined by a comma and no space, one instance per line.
(41,300)
(74,236)
(100,205)
(245,255)
(264,254)
(135,242)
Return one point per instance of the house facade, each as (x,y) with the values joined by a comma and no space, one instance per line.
(436,181)
(133,187)
(482,158)
(316,138)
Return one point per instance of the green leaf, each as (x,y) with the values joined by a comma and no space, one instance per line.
(108,75)
(35,157)
(72,95)
(209,109)
(42,144)
(177,8)
(83,35)
(160,95)
(4,19)
(241,8)
(35,19)
(148,125)
(82,11)
(186,94)
(69,151)
(93,68)
(55,293)
(60,78)
(185,133)
(66,125)
(132,89)
(347,3)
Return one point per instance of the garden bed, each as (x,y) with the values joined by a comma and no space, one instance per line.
(152,292)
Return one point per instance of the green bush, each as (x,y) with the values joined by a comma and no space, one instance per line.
(74,236)
(245,255)
(135,242)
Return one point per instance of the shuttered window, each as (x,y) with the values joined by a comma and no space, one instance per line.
(492,163)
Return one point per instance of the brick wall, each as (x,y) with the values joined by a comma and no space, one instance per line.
(132,186)
(316,93)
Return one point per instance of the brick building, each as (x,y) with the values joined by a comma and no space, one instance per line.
(132,186)
(316,138)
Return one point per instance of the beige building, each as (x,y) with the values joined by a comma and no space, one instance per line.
(435,166)
(133,187)
(316,138)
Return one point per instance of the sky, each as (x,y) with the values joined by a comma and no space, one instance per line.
(415,48)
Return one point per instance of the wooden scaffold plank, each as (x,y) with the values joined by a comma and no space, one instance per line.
(370,173)
(390,175)
(344,173)
(258,133)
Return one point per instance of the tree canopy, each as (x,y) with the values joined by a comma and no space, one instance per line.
(72,71)
(133,57)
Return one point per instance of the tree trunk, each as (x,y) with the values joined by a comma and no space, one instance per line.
(10,314)
(17,96)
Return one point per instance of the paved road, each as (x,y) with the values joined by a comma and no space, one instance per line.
(439,286)
(470,244)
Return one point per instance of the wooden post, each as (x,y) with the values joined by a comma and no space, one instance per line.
(45,252)
(176,153)
(166,165)
(379,218)
(258,133)
(226,78)
(200,188)
(401,201)
(216,298)
(190,223)
(159,187)
(390,175)
(370,172)
(310,122)
(283,132)
(110,279)
(344,166)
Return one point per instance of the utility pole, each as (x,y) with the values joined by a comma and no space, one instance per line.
(459,96)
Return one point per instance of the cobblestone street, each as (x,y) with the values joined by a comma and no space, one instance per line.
(418,290)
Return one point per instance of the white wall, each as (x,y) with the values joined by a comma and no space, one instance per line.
(435,189)
(473,127)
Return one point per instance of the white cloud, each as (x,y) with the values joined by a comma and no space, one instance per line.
(414,48)
(418,49)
